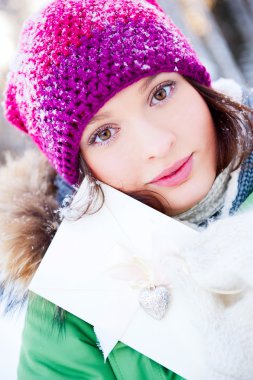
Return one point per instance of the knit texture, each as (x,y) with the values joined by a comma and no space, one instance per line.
(77,54)
(245,179)
(211,203)
(245,184)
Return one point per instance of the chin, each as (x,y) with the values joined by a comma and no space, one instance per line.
(179,205)
(178,210)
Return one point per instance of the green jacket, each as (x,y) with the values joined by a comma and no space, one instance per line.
(71,352)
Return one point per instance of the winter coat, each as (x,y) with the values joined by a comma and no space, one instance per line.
(56,344)
(67,348)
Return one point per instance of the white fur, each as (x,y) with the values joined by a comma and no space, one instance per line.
(220,287)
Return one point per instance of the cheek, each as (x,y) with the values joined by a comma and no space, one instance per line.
(207,132)
(108,168)
(206,144)
(200,126)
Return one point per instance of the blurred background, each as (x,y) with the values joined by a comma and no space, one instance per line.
(220,30)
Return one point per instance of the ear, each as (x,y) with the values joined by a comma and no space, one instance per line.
(155,3)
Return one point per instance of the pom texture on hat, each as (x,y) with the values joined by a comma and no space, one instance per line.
(75,55)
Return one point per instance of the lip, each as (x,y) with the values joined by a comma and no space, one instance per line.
(175,174)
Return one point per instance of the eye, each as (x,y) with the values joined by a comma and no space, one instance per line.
(103,135)
(162,92)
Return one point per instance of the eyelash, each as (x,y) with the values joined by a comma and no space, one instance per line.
(170,83)
(92,139)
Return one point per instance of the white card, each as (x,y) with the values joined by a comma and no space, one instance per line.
(76,275)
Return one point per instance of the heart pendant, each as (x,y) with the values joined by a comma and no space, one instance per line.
(155,301)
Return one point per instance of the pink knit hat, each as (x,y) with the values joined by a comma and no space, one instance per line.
(77,54)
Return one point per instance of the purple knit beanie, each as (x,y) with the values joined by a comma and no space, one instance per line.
(75,55)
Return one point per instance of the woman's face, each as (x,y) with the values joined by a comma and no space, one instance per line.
(157,134)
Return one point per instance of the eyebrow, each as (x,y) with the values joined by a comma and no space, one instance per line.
(146,83)
(100,117)
(142,89)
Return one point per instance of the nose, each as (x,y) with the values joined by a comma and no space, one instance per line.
(155,138)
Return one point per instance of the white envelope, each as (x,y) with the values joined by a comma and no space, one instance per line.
(76,275)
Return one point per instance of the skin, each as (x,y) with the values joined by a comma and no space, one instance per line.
(148,132)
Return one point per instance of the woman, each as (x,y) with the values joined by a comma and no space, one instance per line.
(114,91)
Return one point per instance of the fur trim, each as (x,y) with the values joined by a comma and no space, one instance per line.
(220,261)
(28,221)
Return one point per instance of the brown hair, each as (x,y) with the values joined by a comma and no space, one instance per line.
(233,123)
